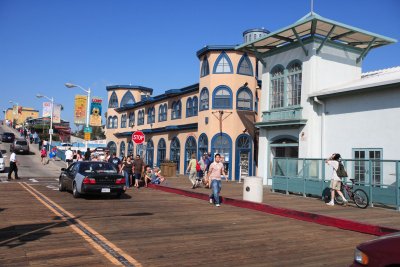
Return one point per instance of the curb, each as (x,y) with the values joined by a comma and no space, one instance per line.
(344,224)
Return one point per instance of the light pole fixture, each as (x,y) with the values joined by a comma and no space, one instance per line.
(71,85)
(51,116)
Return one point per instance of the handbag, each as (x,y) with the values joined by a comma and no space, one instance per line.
(198,168)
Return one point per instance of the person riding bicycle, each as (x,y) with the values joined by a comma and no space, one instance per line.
(333,161)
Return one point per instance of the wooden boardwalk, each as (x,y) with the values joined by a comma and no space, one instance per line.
(163,229)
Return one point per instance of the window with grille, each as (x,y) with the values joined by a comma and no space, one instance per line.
(223,64)
(222,97)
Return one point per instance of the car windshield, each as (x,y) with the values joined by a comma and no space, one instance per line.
(97,167)
(8,134)
(22,143)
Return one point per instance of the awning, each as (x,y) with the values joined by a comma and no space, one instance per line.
(315,25)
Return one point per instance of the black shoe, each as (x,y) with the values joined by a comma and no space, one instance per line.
(193,187)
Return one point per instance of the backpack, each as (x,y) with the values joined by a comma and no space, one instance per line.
(341,171)
(198,168)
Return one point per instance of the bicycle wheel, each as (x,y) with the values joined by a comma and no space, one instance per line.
(338,199)
(361,198)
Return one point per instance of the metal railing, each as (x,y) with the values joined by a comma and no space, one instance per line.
(379,178)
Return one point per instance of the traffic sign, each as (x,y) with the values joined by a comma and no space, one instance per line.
(87,136)
(138,137)
(87,130)
(51,131)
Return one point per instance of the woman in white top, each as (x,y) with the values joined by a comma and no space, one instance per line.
(333,161)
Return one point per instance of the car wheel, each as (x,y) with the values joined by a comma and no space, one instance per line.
(75,192)
(61,186)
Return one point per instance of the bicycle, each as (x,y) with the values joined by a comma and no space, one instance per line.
(359,196)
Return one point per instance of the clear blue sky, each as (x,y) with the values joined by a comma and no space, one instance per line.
(95,43)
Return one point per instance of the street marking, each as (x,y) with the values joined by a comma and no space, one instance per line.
(33,180)
(99,242)
(52,187)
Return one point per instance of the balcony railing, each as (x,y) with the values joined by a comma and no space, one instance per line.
(283,116)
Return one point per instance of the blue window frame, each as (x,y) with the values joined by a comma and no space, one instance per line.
(205,69)
(175,152)
(221,143)
(131,119)
(203,145)
(176,110)
(140,117)
(110,122)
(113,103)
(244,155)
(122,149)
(130,149)
(150,153)
(222,97)
(112,147)
(190,148)
(245,67)
(244,99)
(189,107)
(115,122)
(123,121)
(162,112)
(204,99)
(223,64)
(195,106)
(127,99)
(161,151)
(151,115)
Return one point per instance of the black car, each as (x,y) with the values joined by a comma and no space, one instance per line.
(8,137)
(91,177)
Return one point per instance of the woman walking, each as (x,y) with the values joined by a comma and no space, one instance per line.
(191,169)
(127,167)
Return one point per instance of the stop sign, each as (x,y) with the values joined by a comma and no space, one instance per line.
(138,137)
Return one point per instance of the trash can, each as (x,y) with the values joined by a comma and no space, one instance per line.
(253,189)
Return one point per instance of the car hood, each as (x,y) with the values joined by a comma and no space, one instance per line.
(384,243)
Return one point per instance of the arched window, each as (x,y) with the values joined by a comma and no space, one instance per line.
(113,103)
(223,64)
(161,151)
(195,106)
(277,87)
(245,67)
(189,107)
(140,117)
(176,110)
(205,69)
(203,145)
(190,148)
(122,149)
(222,97)
(110,122)
(244,99)
(221,143)
(130,149)
(115,122)
(204,99)
(162,113)
(123,121)
(127,99)
(175,151)
(150,153)
(294,83)
(112,147)
(151,115)
(131,119)
(244,160)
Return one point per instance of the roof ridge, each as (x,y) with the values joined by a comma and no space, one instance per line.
(380,71)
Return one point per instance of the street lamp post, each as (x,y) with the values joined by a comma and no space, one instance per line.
(51,117)
(71,85)
(14,115)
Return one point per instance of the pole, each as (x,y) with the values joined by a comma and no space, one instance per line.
(87,116)
(51,123)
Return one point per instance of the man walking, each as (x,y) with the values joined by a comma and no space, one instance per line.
(13,166)
(138,169)
(214,175)
(69,156)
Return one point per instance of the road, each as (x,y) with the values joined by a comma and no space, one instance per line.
(41,226)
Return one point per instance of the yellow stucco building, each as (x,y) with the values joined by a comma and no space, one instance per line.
(20,114)
(216,115)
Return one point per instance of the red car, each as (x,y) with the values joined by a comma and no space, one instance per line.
(383,251)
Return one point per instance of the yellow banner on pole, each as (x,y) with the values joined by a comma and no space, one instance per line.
(80,109)
(87,136)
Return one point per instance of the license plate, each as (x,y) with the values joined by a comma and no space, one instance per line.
(105,190)
(21,150)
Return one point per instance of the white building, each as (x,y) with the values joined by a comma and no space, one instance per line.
(316,101)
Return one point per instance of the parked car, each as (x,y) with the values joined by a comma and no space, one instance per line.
(383,251)
(20,146)
(91,177)
(8,137)
(2,163)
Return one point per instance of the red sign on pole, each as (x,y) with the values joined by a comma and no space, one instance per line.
(138,137)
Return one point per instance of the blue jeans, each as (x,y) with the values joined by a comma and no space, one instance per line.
(127,180)
(216,188)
